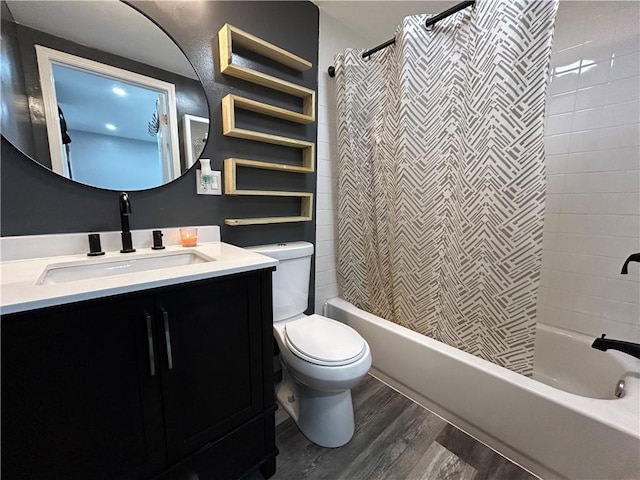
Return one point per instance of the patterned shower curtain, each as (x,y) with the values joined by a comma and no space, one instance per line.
(441,180)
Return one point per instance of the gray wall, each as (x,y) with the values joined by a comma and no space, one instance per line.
(16,122)
(37,201)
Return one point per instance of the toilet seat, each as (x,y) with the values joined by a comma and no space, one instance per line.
(322,341)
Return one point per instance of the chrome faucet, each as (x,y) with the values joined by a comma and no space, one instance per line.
(125,211)
(634,257)
(605,344)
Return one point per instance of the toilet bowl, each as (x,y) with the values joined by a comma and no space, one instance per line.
(316,388)
(321,358)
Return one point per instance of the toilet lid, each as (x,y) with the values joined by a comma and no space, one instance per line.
(323,341)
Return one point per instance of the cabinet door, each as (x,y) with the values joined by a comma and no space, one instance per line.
(211,377)
(78,397)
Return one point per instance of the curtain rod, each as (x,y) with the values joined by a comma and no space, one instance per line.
(428,23)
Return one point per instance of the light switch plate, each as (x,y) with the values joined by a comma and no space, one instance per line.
(215,187)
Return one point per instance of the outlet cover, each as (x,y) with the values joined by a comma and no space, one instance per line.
(216,185)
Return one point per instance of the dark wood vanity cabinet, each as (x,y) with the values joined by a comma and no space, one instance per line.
(77,398)
(173,383)
(225,346)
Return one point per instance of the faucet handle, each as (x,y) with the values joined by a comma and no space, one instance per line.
(157,240)
(95,248)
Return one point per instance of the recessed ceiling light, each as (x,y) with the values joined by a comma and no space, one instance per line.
(119,91)
(110,126)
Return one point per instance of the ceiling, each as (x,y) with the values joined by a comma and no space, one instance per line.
(377,20)
(90,103)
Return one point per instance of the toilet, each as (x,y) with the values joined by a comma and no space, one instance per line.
(322,359)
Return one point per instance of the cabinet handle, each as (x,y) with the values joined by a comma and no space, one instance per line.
(152,357)
(167,337)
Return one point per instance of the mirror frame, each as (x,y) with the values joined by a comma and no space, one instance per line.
(195,92)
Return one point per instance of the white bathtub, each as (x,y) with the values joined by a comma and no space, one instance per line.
(550,432)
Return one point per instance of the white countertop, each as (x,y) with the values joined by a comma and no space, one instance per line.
(19,290)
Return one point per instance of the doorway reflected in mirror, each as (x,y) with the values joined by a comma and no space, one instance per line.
(113,124)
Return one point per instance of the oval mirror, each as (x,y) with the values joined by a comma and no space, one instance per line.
(97,92)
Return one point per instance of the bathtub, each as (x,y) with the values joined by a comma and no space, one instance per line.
(553,433)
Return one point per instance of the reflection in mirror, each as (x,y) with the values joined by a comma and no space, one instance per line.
(103,120)
(99,106)
(196,132)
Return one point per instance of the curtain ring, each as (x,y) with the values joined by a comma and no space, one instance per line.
(430,27)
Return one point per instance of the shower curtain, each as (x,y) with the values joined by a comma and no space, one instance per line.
(441,180)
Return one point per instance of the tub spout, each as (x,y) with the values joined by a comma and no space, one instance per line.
(634,257)
(605,344)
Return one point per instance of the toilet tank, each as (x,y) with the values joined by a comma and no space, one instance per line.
(291,278)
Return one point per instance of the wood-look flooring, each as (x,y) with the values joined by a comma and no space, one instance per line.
(395,439)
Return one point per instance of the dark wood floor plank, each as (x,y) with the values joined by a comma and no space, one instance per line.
(499,468)
(400,435)
(296,451)
(467,448)
(425,435)
(438,463)
(363,391)
(489,464)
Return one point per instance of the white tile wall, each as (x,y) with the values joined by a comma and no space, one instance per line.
(593,171)
(593,168)
(334,38)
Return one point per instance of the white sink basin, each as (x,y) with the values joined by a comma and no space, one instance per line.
(88,269)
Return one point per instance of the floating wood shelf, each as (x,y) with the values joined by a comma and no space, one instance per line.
(228,35)
(231,188)
(231,163)
(266,109)
(306,212)
(229,129)
(264,220)
(230,177)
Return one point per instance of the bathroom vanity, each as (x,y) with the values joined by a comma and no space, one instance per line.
(165,373)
